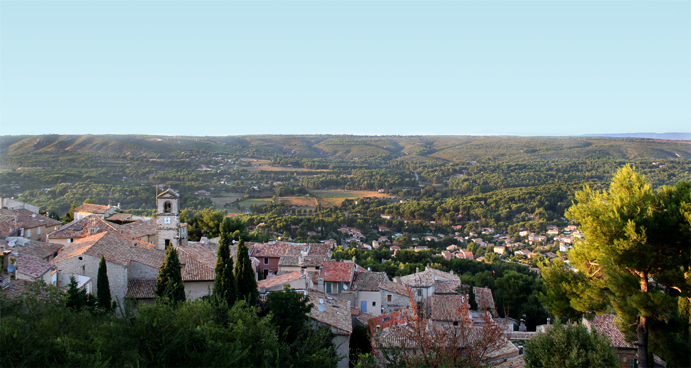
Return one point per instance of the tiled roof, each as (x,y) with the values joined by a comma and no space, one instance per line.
(446,286)
(24,219)
(32,266)
(365,280)
(386,321)
(81,228)
(278,280)
(427,277)
(394,287)
(337,271)
(604,324)
(119,217)
(38,249)
(336,311)
(116,248)
(268,250)
(484,299)
(138,229)
(92,208)
(447,307)
(198,263)
(141,289)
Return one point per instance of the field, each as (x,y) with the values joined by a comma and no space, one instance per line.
(300,201)
(258,201)
(330,198)
(256,169)
(221,201)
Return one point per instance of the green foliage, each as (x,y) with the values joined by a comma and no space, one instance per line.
(225,284)
(169,286)
(289,312)
(77,298)
(103,286)
(632,236)
(569,346)
(247,284)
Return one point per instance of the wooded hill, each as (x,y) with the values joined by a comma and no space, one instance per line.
(346,147)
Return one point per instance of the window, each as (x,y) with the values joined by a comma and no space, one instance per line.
(266,261)
(388,298)
(419,292)
(28,233)
(374,304)
(38,230)
(69,241)
(328,287)
(167,243)
(455,323)
(340,287)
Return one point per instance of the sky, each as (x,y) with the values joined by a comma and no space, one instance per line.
(529,68)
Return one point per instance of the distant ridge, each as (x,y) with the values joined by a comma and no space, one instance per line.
(668,136)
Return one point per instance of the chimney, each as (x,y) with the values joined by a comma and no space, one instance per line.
(451,272)
(417,269)
(320,285)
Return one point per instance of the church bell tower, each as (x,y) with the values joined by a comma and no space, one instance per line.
(168,220)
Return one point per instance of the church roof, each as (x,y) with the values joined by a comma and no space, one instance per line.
(169,193)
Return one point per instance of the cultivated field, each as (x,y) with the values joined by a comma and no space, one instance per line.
(258,201)
(256,169)
(221,201)
(330,198)
(300,201)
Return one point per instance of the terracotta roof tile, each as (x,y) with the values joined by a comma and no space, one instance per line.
(604,324)
(116,248)
(141,289)
(447,307)
(83,227)
(198,263)
(24,219)
(484,299)
(427,277)
(394,287)
(336,271)
(336,312)
(278,280)
(365,280)
(93,208)
(446,286)
(32,266)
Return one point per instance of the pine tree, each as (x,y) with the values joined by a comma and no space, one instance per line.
(103,293)
(632,236)
(169,284)
(247,285)
(225,285)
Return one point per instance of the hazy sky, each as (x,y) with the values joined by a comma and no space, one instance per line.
(358,67)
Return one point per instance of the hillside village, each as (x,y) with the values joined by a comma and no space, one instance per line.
(343,293)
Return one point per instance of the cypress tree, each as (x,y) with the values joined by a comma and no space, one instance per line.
(103,293)
(225,288)
(247,285)
(169,283)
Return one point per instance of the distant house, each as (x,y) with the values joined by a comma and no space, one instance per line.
(446,254)
(87,209)
(33,268)
(27,224)
(500,250)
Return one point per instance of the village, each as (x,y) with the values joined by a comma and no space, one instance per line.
(37,248)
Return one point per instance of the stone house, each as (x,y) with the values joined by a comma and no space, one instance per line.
(126,259)
(26,224)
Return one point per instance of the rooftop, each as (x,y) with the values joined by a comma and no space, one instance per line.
(116,248)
